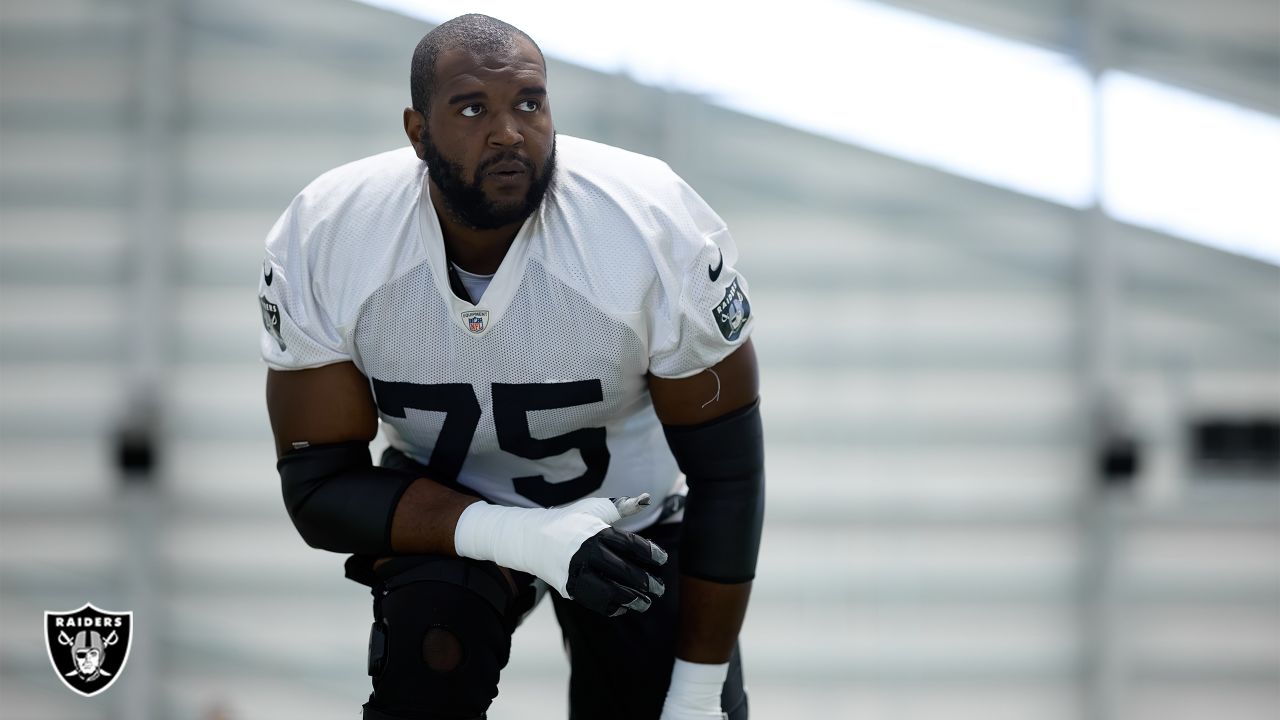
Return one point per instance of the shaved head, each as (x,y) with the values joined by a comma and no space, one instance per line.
(480,34)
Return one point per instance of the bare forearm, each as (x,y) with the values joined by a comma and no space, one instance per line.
(426,518)
(711,616)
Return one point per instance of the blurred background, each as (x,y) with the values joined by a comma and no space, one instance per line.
(1017,273)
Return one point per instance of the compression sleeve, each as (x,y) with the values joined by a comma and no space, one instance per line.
(723,461)
(339,500)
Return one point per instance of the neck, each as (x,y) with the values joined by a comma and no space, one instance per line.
(476,251)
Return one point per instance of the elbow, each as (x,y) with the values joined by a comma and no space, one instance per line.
(307,478)
(304,521)
(338,501)
(309,534)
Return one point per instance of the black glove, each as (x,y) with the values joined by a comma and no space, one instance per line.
(610,572)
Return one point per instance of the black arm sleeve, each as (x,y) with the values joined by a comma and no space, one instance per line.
(338,500)
(724,462)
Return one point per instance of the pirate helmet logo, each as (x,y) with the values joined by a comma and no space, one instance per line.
(88,647)
(733,312)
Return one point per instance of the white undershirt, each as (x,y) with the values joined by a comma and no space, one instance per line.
(475,284)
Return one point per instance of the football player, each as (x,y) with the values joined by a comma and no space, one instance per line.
(555,340)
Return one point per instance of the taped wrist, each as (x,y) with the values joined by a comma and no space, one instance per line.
(338,500)
(695,689)
(533,540)
(723,461)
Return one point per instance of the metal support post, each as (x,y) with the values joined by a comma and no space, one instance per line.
(150,299)
(1111,455)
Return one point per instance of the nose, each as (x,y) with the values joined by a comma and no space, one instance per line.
(506,131)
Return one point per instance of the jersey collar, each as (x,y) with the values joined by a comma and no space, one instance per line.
(474,319)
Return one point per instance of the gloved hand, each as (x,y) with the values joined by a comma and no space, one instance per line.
(694,693)
(572,548)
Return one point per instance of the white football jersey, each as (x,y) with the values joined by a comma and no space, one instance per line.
(535,396)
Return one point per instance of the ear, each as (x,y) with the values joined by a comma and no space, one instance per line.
(415,125)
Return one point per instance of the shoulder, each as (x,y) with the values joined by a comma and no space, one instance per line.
(599,177)
(588,164)
(624,214)
(370,173)
(350,229)
(361,192)
(352,210)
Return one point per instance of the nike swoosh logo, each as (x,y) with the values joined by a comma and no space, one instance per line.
(714,273)
(267,276)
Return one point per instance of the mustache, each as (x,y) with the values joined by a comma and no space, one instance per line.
(504,157)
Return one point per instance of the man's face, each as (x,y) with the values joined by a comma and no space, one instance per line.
(489,141)
(87,660)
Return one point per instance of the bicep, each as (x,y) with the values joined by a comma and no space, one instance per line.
(328,404)
(731,384)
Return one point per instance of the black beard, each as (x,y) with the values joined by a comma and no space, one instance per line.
(466,201)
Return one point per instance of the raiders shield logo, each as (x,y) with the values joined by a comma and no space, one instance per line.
(732,312)
(88,647)
(271,319)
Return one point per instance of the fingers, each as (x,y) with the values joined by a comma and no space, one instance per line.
(628,506)
(609,598)
(609,574)
(639,603)
(607,564)
(633,547)
(610,510)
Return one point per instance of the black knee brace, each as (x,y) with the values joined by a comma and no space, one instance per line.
(441,635)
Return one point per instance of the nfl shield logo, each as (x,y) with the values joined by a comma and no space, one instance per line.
(477,320)
(88,647)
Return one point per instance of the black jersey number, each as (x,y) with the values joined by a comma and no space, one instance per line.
(462,414)
(511,405)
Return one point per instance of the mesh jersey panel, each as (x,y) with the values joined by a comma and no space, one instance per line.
(549,334)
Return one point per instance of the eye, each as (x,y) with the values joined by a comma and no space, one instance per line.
(529,105)
(471,110)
